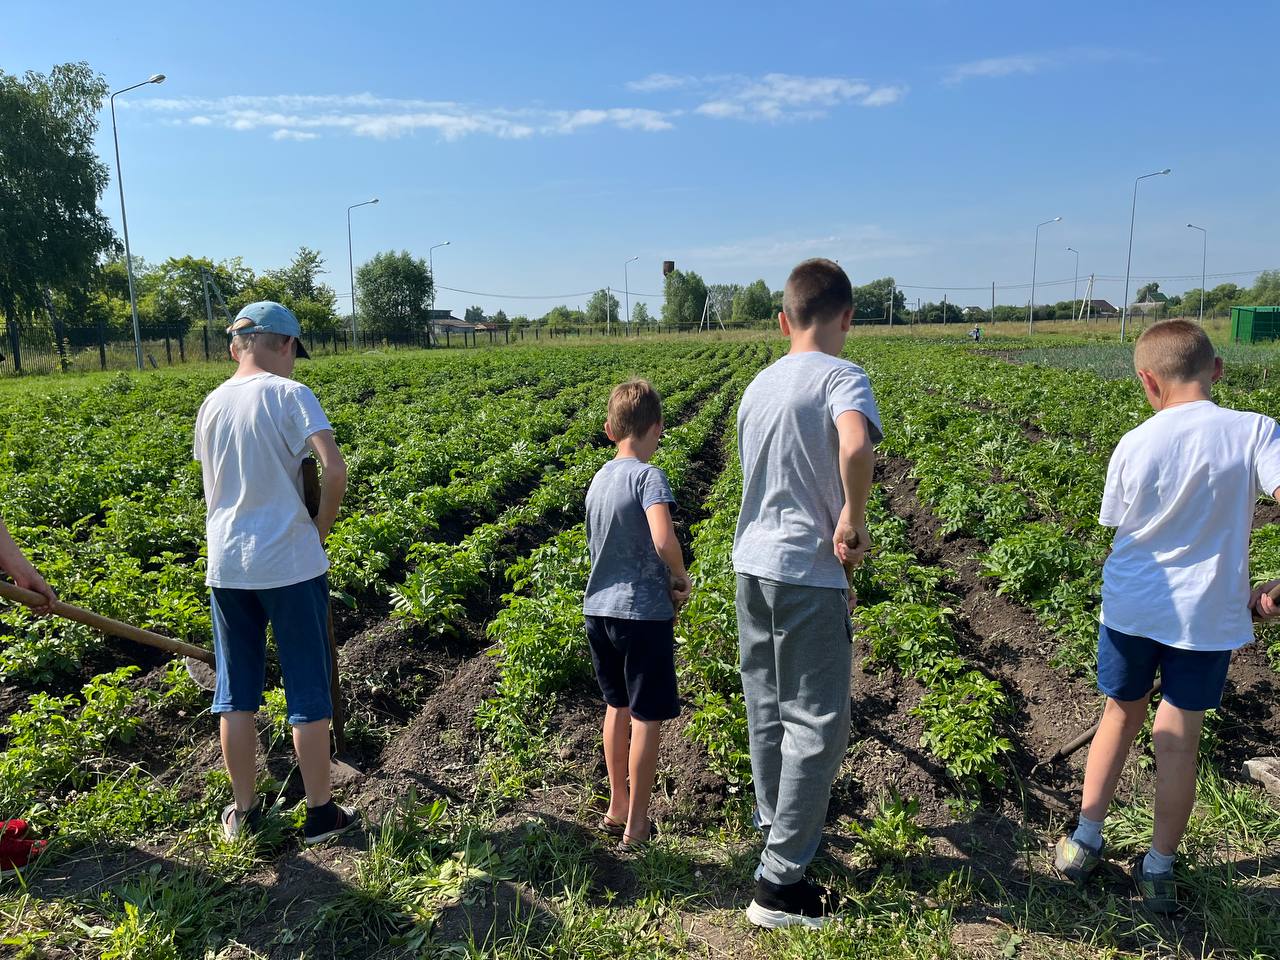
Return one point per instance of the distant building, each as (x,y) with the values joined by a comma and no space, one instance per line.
(1102,308)
(443,321)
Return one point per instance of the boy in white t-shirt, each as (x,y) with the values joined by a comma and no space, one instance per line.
(267,562)
(1180,492)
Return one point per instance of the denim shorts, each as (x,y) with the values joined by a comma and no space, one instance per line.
(1189,679)
(299,618)
(635,663)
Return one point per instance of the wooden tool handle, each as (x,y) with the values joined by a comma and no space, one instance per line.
(116,628)
(311,486)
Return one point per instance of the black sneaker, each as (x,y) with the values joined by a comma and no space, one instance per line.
(328,821)
(799,904)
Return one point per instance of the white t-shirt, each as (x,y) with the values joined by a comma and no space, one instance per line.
(250,438)
(1180,492)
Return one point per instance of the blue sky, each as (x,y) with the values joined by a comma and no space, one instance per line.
(551,142)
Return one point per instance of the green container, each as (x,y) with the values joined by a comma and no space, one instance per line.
(1251,324)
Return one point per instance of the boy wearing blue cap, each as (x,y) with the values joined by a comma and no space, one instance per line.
(267,562)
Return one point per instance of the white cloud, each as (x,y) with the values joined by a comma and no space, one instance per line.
(1029,63)
(659,81)
(285,133)
(773,96)
(999,67)
(305,117)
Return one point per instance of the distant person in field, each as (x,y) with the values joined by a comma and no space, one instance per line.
(267,561)
(1180,492)
(806,426)
(17,848)
(637,583)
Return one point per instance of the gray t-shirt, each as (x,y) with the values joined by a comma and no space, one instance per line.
(790,450)
(628,579)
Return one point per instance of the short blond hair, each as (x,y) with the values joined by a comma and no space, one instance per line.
(1174,350)
(634,408)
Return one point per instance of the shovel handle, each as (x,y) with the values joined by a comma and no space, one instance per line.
(115,628)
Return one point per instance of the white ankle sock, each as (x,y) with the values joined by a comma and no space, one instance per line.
(1089,833)
(1156,862)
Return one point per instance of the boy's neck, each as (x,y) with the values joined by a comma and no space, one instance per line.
(628,448)
(1190,392)
(820,338)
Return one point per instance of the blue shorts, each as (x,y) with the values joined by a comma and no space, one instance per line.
(299,618)
(635,663)
(1189,679)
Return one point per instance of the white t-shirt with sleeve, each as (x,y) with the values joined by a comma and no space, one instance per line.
(792,494)
(250,438)
(1180,492)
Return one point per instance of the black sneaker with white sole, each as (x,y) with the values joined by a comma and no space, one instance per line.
(328,821)
(799,904)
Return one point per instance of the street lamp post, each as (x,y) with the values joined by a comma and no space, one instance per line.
(1075,280)
(1035,253)
(1204,251)
(1124,312)
(124,220)
(626,286)
(351,270)
(431,266)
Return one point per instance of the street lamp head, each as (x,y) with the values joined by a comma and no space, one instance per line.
(1055,219)
(156,78)
(633,259)
(1165,171)
(446,243)
(374,200)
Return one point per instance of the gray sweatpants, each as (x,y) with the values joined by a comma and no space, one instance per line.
(796,659)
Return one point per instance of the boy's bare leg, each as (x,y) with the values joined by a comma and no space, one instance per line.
(1120,724)
(1176,738)
(240,754)
(617,745)
(645,737)
(311,744)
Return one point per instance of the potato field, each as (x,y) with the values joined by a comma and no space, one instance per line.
(473,719)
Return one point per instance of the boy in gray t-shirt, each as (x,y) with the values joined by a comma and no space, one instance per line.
(637,583)
(806,426)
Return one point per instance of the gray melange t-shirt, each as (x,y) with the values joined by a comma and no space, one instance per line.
(628,579)
(789,447)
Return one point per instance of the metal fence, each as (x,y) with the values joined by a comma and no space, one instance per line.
(36,351)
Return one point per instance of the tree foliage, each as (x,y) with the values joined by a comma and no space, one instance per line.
(395,293)
(52,232)
(753,303)
(474,314)
(602,308)
(685,296)
(640,313)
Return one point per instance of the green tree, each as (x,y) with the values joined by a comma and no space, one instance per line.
(1149,291)
(602,308)
(474,314)
(51,232)
(871,300)
(499,318)
(394,293)
(1266,289)
(685,295)
(753,304)
(640,313)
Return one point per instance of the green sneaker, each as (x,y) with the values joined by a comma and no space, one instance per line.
(1075,861)
(1158,891)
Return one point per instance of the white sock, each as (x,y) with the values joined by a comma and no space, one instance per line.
(1088,833)
(1156,862)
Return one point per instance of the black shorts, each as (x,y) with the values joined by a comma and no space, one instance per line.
(635,663)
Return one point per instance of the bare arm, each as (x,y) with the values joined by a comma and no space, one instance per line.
(334,479)
(1260,601)
(857,464)
(15,563)
(663,532)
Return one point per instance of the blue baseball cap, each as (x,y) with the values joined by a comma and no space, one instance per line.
(267,316)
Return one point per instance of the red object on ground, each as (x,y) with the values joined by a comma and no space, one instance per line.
(17,853)
(14,828)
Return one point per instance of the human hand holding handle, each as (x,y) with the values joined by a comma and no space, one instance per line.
(681,590)
(30,579)
(1263,600)
(851,540)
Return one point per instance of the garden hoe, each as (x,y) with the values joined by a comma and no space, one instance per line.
(1074,744)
